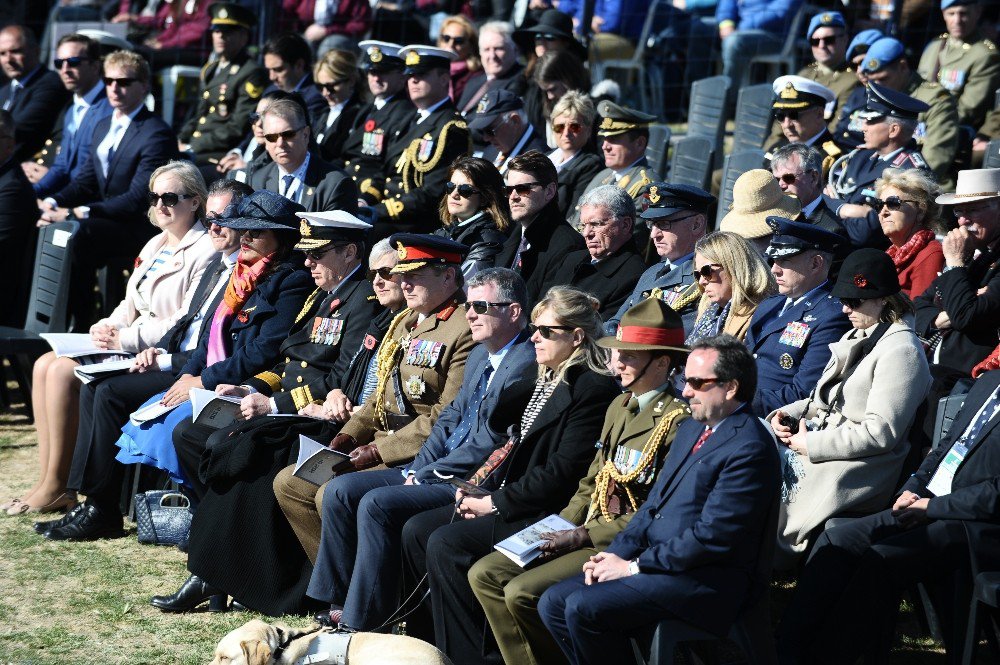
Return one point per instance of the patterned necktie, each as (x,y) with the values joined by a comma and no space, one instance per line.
(701,440)
(471,411)
(985,416)
(286,182)
(521,246)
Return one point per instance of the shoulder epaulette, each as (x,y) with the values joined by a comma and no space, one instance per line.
(989,45)
(832,149)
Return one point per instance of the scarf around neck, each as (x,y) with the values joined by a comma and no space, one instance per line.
(902,255)
(242,282)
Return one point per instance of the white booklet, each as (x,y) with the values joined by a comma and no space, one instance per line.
(75,345)
(215,411)
(522,547)
(316,462)
(88,373)
(150,412)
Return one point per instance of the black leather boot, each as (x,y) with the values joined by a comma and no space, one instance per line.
(192,593)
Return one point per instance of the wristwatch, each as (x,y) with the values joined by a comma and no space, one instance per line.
(633,567)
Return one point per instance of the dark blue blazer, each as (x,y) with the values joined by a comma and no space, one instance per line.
(74,151)
(778,386)
(147,144)
(35,109)
(698,534)
(257,331)
(519,363)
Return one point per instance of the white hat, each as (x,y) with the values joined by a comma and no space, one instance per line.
(319,229)
(973,185)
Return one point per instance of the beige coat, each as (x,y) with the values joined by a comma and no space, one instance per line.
(142,324)
(854,459)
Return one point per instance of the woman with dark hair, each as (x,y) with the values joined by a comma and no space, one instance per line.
(267,289)
(475,212)
(337,78)
(555,74)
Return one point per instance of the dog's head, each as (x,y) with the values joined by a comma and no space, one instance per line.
(251,644)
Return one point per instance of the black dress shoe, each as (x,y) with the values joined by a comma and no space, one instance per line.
(183,544)
(90,524)
(192,593)
(69,517)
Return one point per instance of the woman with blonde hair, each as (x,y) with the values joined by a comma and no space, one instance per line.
(909,216)
(575,157)
(337,78)
(157,294)
(734,280)
(458,34)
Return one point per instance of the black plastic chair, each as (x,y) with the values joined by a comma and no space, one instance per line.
(735,165)
(991,159)
(691,163)
(753,117)
(707,112)
(658,148)
(46,305)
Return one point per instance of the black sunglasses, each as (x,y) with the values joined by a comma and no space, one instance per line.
(546,331)
(522,190)
(853,303)
(819,41)
(384,273)
(483,306)
(465,191)
(546,37)
(329,87)
(123,82)
(790,178)
(169,198)
(708,270)
(209,219)
(449,39)
(288,135)
(75,61)
(698,384)
(890,202)
(253,234)
(781,115)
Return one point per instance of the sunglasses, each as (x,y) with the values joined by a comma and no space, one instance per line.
(382,273)
(483,306)
(891,202)
(254,117)
(852,303)
(780,116)
(253,234)
(571,126)
(457,40)
(123,82)
(169,198)
(465,191)
(790,178)
(75,61)
(288,135)
(698,384)
(522,190)
(665,224)
(329,87)
(226,29)
(546,331)
(209,219)
(547,37)
(819,41)
(708,270)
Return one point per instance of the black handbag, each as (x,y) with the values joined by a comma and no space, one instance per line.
(162,517)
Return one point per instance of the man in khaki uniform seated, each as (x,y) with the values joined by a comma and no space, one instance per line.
(638,430)
(420,367)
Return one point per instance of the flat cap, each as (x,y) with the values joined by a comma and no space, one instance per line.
(231,14)
(319,229)
(883,101)
(420,58)
(493,104)
(379,56)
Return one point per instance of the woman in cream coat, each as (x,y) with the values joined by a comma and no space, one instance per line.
(157,294)
(850,435)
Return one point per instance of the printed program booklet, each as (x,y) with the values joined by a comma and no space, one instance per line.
(522,547)
(316,462)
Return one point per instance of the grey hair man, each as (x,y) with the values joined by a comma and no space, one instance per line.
(799,170)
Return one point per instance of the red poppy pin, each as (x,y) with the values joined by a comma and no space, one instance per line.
(138,262)
(370,125)
(860,281)
(335,304)
(243,317)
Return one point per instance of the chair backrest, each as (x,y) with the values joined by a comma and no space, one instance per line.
(991,159)
(691,162)
(658,148)
(736,164)
(707,110)
(795,30)
(948,408)
(50,283)
(753,117)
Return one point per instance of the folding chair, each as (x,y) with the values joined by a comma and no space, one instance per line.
(691,163)
(658,148)
(707,111)
(736,164)
(637,64)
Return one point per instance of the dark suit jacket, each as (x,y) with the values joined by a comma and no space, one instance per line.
(146,145)
(74,151)
(35,109)
(172,339)
(550,239)
(326,186)
(512,80)
(518,364)
(18,213)
(331,140)
(257,330)
(824,218)
(698,535)
(574,178)
(974,319)
(611,280)
(544,468)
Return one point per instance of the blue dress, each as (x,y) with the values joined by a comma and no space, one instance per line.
(152,443)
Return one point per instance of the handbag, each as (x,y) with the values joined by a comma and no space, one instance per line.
(158,522)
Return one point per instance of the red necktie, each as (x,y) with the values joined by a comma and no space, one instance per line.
(701,440)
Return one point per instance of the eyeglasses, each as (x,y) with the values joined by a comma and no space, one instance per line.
(73,62)
(546,331)
(253,234)
(169,198)
(456,40)
(123,82)
(819,41)
(483,306)
(492,129)
(665,224)
(547,37)
(698,384)
(316,255)
(968,213)
(583,227)
(571,126)
(790,178)
(708,270)
(288,135)
(522,190)
(382,273)
(852,303)
(329,87)
(465,191)
(891,202)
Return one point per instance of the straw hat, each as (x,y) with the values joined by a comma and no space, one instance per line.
(757,196)
(973,185)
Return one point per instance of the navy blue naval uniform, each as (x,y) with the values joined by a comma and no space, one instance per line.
(671,283)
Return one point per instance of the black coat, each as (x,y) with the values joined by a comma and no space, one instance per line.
(974,319)
(512,80)
(544,468)
(549,238)
(536,141)
(483,238)
(611,280)
(331,139)
(366,150)
(574,178)
(18,214)
(36,109)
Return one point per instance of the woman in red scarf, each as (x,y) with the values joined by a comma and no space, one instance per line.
(908,213)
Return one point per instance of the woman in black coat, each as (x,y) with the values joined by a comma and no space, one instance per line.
(337,79)
(553,424)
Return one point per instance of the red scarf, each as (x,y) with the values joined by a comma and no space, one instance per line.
(241,284)
(903,254)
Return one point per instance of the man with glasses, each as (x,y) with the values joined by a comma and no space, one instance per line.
(229,88)
(502,121)
(799,107)
(610,264)
(790,333)
(34,95)
(799,171)
(296,171)
(677,217)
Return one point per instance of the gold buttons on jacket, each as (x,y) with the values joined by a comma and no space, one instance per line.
(304,364)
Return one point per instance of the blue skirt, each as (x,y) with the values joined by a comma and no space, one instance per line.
(152,442)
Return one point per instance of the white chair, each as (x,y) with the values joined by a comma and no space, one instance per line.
(168,87)
(637,64)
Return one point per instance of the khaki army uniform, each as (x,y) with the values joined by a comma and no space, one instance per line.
(937,130)
(228,95)
(969,70)
(634,181)
(630,454)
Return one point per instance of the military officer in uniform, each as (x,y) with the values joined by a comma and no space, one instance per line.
(638,430)
(799,106)
(421,363)
(890,119)
(790,333)
(230,86)
(435,135)
(964,62)
(380,122)
(677,217)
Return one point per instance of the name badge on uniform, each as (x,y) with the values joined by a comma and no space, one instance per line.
(326,331)
(426,148)
(795,334)
(940,483)
(424,353)
(372,142)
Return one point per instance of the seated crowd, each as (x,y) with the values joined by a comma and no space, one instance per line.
(457,270)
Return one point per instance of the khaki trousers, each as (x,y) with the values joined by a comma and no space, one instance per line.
(509,595)
(302,503)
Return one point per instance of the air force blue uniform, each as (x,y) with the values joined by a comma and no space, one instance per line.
(670,283)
